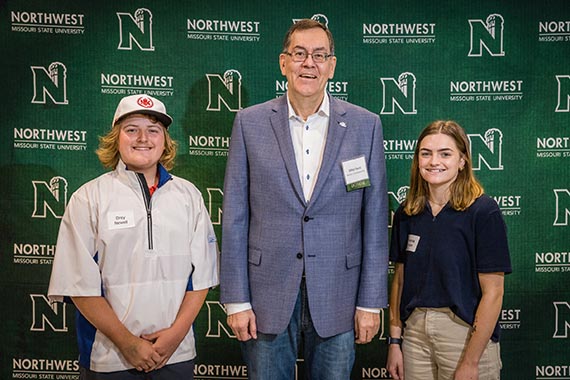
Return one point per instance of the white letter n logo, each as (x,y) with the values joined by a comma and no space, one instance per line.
(488,35)
(562,320)
(563,104)
(562,207)
(401,94)
(44,314)
(136,29)
(225,90)
(50,83)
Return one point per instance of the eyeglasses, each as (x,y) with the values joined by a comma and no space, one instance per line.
(301,56)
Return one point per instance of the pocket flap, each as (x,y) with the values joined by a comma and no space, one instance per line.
(353,260)
(254,256)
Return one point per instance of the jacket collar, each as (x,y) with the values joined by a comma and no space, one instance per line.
(336,132)
(130,177)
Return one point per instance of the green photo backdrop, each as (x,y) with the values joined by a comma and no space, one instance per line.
(501,69)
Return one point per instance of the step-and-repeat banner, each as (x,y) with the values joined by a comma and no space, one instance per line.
(501,69)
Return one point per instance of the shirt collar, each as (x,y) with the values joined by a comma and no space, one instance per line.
(324,109)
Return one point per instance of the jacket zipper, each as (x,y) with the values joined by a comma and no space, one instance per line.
(146,197)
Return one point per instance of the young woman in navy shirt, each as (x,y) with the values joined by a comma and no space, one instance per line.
(449,246)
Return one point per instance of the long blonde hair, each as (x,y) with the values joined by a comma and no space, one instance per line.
(463,191)
(108,151)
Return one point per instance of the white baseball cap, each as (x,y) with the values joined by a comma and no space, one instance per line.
(144,104)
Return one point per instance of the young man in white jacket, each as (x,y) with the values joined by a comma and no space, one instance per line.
(136,253)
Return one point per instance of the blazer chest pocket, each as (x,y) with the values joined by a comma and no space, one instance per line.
(254,256)
(353,260)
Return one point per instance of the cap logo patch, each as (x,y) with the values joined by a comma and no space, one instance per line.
(145,102)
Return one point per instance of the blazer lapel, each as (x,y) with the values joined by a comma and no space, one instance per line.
(280,125)
(335,136)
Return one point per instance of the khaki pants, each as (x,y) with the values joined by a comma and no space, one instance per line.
(434,342)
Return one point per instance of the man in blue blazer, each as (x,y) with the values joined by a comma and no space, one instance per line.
(305,234)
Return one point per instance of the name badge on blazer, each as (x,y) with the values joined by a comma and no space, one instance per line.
(355,173)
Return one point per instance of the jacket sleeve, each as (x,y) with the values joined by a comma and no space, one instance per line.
(374,272)
(234,282)
(204,248)
(75,271)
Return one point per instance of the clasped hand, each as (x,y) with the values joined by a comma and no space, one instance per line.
(151,351)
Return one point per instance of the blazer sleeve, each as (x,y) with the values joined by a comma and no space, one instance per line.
(374,272)
(234,282)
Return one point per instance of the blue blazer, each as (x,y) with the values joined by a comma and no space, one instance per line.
(270,233)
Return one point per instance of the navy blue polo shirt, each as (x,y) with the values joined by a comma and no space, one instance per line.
(443,256)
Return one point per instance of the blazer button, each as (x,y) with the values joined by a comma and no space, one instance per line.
(299,255)
(306,218)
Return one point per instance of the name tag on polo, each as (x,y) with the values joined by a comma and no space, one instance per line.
(413,241)
(120,219)
(355,173)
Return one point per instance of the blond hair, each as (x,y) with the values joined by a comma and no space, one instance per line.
(108,151)
(463,191)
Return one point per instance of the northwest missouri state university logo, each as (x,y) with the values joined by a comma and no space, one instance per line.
(137,83)
(223,30)
(50,23)
(486,90)
(487,149)
(398,33)
(553,147)
(224,89)
(487,35)
(561,320)
(50,83)
(44,368)
(208,145)
(399,94)
(135,29)
(51,139)
(224,92)
(563,103)
(562,207)
(554,31)
(48,316)
(50,198)
(552,261)
(33,253)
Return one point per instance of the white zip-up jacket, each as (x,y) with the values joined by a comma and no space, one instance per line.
(141,253)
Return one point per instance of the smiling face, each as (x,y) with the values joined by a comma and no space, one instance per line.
(141,143)
(439,161)
(307,80)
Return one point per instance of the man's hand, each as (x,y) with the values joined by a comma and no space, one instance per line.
(243,325)
(366,325)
